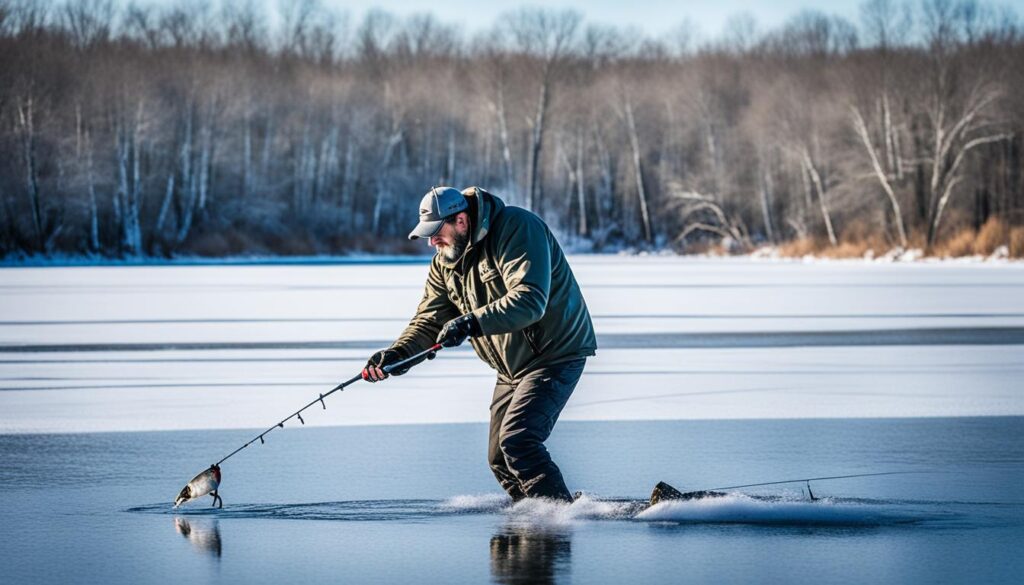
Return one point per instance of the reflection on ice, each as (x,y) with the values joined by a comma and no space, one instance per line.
(203,534)
(526,556)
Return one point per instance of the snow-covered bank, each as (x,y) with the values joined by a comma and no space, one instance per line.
(765,253)
(213,346)
(61,260)
(1000,256)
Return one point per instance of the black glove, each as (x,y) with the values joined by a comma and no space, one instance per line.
(383,358)
(457,330)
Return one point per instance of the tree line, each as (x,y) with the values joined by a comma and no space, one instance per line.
(189,128)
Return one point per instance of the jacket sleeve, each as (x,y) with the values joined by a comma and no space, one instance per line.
(433,312)
(523,256)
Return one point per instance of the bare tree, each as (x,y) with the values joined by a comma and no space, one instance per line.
(694,207)
(958,109)
(886,23)
(494,76)
(547,37)
(876,165)
(27,129)
(88,21)
(641,190)
(181,127)
(245,26)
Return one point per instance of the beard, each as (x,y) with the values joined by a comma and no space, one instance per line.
(457,249)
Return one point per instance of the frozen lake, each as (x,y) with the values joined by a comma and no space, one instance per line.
(416,504)
(852,368)
(175,347)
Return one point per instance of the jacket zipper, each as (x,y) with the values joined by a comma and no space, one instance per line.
(529,340)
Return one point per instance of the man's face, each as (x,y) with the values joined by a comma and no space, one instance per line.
(453,238)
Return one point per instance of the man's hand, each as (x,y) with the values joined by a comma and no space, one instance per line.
(457,330)
(374,370)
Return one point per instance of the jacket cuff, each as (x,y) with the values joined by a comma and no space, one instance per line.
(482,319)
(402,350)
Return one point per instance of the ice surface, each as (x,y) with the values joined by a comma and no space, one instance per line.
(188,347)
(368,505)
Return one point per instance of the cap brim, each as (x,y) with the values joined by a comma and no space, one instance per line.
(426,229)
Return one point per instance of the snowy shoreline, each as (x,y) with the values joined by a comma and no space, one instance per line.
(767,254)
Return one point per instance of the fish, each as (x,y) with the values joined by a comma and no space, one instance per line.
(205,483)
(664,492)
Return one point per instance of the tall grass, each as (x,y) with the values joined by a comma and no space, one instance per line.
(957,243)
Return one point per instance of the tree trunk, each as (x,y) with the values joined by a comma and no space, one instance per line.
(641,192)
(188,181)
(26,125)
(128,189)
(950,146)
(950,180)
(267,153)
(573,180)
(300,172)
(165,207)
(506,149)
(486,168)
(581,193)
(382,187)
(428,147)
(605,194)
(820,188)
(450,166)
(876,165)
(247,158)
(328,166)
(133,207)
(94,216)
(766,188)
(713,156)
(347,182)
(892,153)
(205,158)
(533,194)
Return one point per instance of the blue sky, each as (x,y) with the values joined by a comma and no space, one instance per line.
(652,16)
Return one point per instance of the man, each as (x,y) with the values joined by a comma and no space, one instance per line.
(500,278)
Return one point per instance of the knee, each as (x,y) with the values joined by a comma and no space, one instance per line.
(496,456)
(515,446)
(496,459)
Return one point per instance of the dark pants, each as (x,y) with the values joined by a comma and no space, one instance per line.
(523,412)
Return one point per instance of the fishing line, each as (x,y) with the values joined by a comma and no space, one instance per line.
(810,479)
(664,492)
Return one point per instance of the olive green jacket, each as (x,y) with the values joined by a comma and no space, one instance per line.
(515,279)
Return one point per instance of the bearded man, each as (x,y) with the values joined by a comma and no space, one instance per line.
(500,279)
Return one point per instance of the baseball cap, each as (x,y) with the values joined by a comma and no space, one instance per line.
(438,204)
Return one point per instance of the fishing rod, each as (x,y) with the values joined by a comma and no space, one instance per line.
(208,481)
